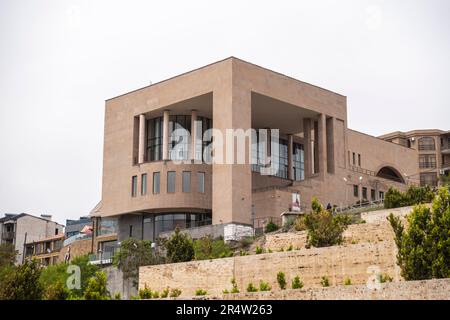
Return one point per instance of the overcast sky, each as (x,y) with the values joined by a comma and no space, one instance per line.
(60,60)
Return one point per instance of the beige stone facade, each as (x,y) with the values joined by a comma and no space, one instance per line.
(148,192)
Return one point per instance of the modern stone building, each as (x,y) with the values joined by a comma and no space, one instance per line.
(432,152)
(19,229)
(150,193)
(46,251)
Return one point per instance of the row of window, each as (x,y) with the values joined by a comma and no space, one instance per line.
(180,137)
(354,158)
(364,193)
(429,178)
(171,180)
(281,162)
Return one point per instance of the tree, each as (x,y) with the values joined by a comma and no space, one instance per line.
(179,247)
(134,253)
(323,228)
(424,247)
(207,248)
(22,283)
(414,195)
(96,288)
(7,255)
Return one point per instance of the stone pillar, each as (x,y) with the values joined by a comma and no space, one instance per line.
(165,154)
(231,183)
(141,152)
(307,147)
(193,133)
(290,157)
(322,143)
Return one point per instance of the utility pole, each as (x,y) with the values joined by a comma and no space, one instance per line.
(24,248)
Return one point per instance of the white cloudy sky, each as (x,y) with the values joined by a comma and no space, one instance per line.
(59,61)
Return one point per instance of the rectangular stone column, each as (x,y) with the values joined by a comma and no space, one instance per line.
(307,147)
(232,183)
(141,152)
(165,149)
(193,133)
(290,157)
(322,144)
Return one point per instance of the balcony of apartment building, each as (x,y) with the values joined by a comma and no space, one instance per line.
(8,232)
(445,144)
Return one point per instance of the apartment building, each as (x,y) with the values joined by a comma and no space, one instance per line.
(46,251)
(432,147)
(157,178)
(19,229)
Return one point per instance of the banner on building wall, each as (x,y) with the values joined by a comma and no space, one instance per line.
(295,206)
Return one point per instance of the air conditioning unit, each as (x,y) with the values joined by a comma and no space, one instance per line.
(442,172)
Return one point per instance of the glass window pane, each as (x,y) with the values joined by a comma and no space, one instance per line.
(201,182)
(186,181)
(171,181)
(156,182)
(133,186)
(143,184)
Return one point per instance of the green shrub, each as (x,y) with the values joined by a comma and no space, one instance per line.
(259,250)
(22,282)
(165,293)
(290,248)
(271,226)
(56,291)
(175,293)
(134,253)
(180,247)
(243,253)
(325,282)
(251,288)
(297,283)
(385,278)
(225,291)
(281,279)
(264,286)
(323,228)
(145,293)
(269,250)
(347,282)
(235,287)
(207,248)
(155,294)
(118,296)
(299,223)
(96,288)
(414,195)
(424,248)
(201,292)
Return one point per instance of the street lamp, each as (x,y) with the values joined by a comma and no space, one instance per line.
(346,191)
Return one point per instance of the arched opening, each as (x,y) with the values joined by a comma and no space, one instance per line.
(390,174)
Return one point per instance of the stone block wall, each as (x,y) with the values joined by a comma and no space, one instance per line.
(337,263)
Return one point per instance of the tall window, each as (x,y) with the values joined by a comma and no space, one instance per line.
(299,162)
(427,161)
(179,137)
(359,160)
(156,182)
(426,143)
(186,181)
(282,160)
(355,190)
(171,181)
(143,184)
(364,193)
(154,139)
(201,182)
(381,194)
(203,124)
(133,186)
(429,178)
(372,194)
(354,158)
